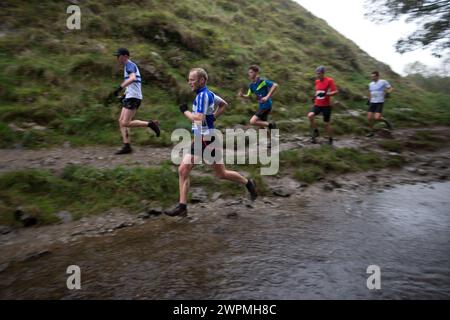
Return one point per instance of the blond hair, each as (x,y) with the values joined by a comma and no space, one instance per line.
(201,73)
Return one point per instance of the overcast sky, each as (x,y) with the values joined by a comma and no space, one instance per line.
(378,40)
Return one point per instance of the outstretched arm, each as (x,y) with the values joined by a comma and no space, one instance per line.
(246,96)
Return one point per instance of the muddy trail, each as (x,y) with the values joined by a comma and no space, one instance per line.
(57,158)
(299,242)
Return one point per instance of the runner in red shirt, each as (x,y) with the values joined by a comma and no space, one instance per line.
(325,88)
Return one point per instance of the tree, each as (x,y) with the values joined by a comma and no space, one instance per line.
(432,79)
(432,16)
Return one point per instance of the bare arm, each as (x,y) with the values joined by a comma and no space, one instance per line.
(222,105)
(332,93)
(246,96)
(270,94)
(194,117)
(129,81)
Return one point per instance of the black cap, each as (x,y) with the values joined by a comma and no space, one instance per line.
(122,52)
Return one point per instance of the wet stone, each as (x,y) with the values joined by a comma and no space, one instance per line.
(64,216)
(198,195)
(232,215)
(281,191)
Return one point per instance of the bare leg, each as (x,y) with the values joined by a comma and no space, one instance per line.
(378,117)
(125,118)
(312,121)
(223,173)
(183,177)
(370,119)
(255,121)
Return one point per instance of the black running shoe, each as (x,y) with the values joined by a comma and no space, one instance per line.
(330,141)
(370,134)
(154,125)
(126,149)
(388,124)
(251,187)
(272,125)
(314,135)
(178,211)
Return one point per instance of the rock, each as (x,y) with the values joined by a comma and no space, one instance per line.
(198,195)
(49,162)
(411,169)
(327,187)
(121,225)
(28,124)
(219,230)
(64,216)
(393,154)
(216,196)
(5,229)
(154,211)
(281,191)
(335,184)
(26,219)
(143,215)
(384,133)
(15,128)
(4,266)
(37,255)
(422,172)
(66,145)
(38,128)
(234,203)
(354,113)
(232,215)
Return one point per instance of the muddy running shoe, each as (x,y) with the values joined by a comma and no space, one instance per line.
(126,149)
(314,135)
(179,211)
(154,125)
(251,187)
(388,124)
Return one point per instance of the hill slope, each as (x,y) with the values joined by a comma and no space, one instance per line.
(58,79)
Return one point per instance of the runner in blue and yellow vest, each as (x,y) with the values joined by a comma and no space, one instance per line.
(263,89)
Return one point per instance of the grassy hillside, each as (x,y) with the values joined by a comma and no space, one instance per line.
(58,79)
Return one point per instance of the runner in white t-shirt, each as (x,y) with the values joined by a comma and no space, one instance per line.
(377,94)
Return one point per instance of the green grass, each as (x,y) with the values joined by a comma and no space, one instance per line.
(423,140)
(85,190)
(313,164)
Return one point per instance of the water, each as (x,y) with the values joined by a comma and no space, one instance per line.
(305,249)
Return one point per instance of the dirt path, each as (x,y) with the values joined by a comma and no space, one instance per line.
(103,157)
